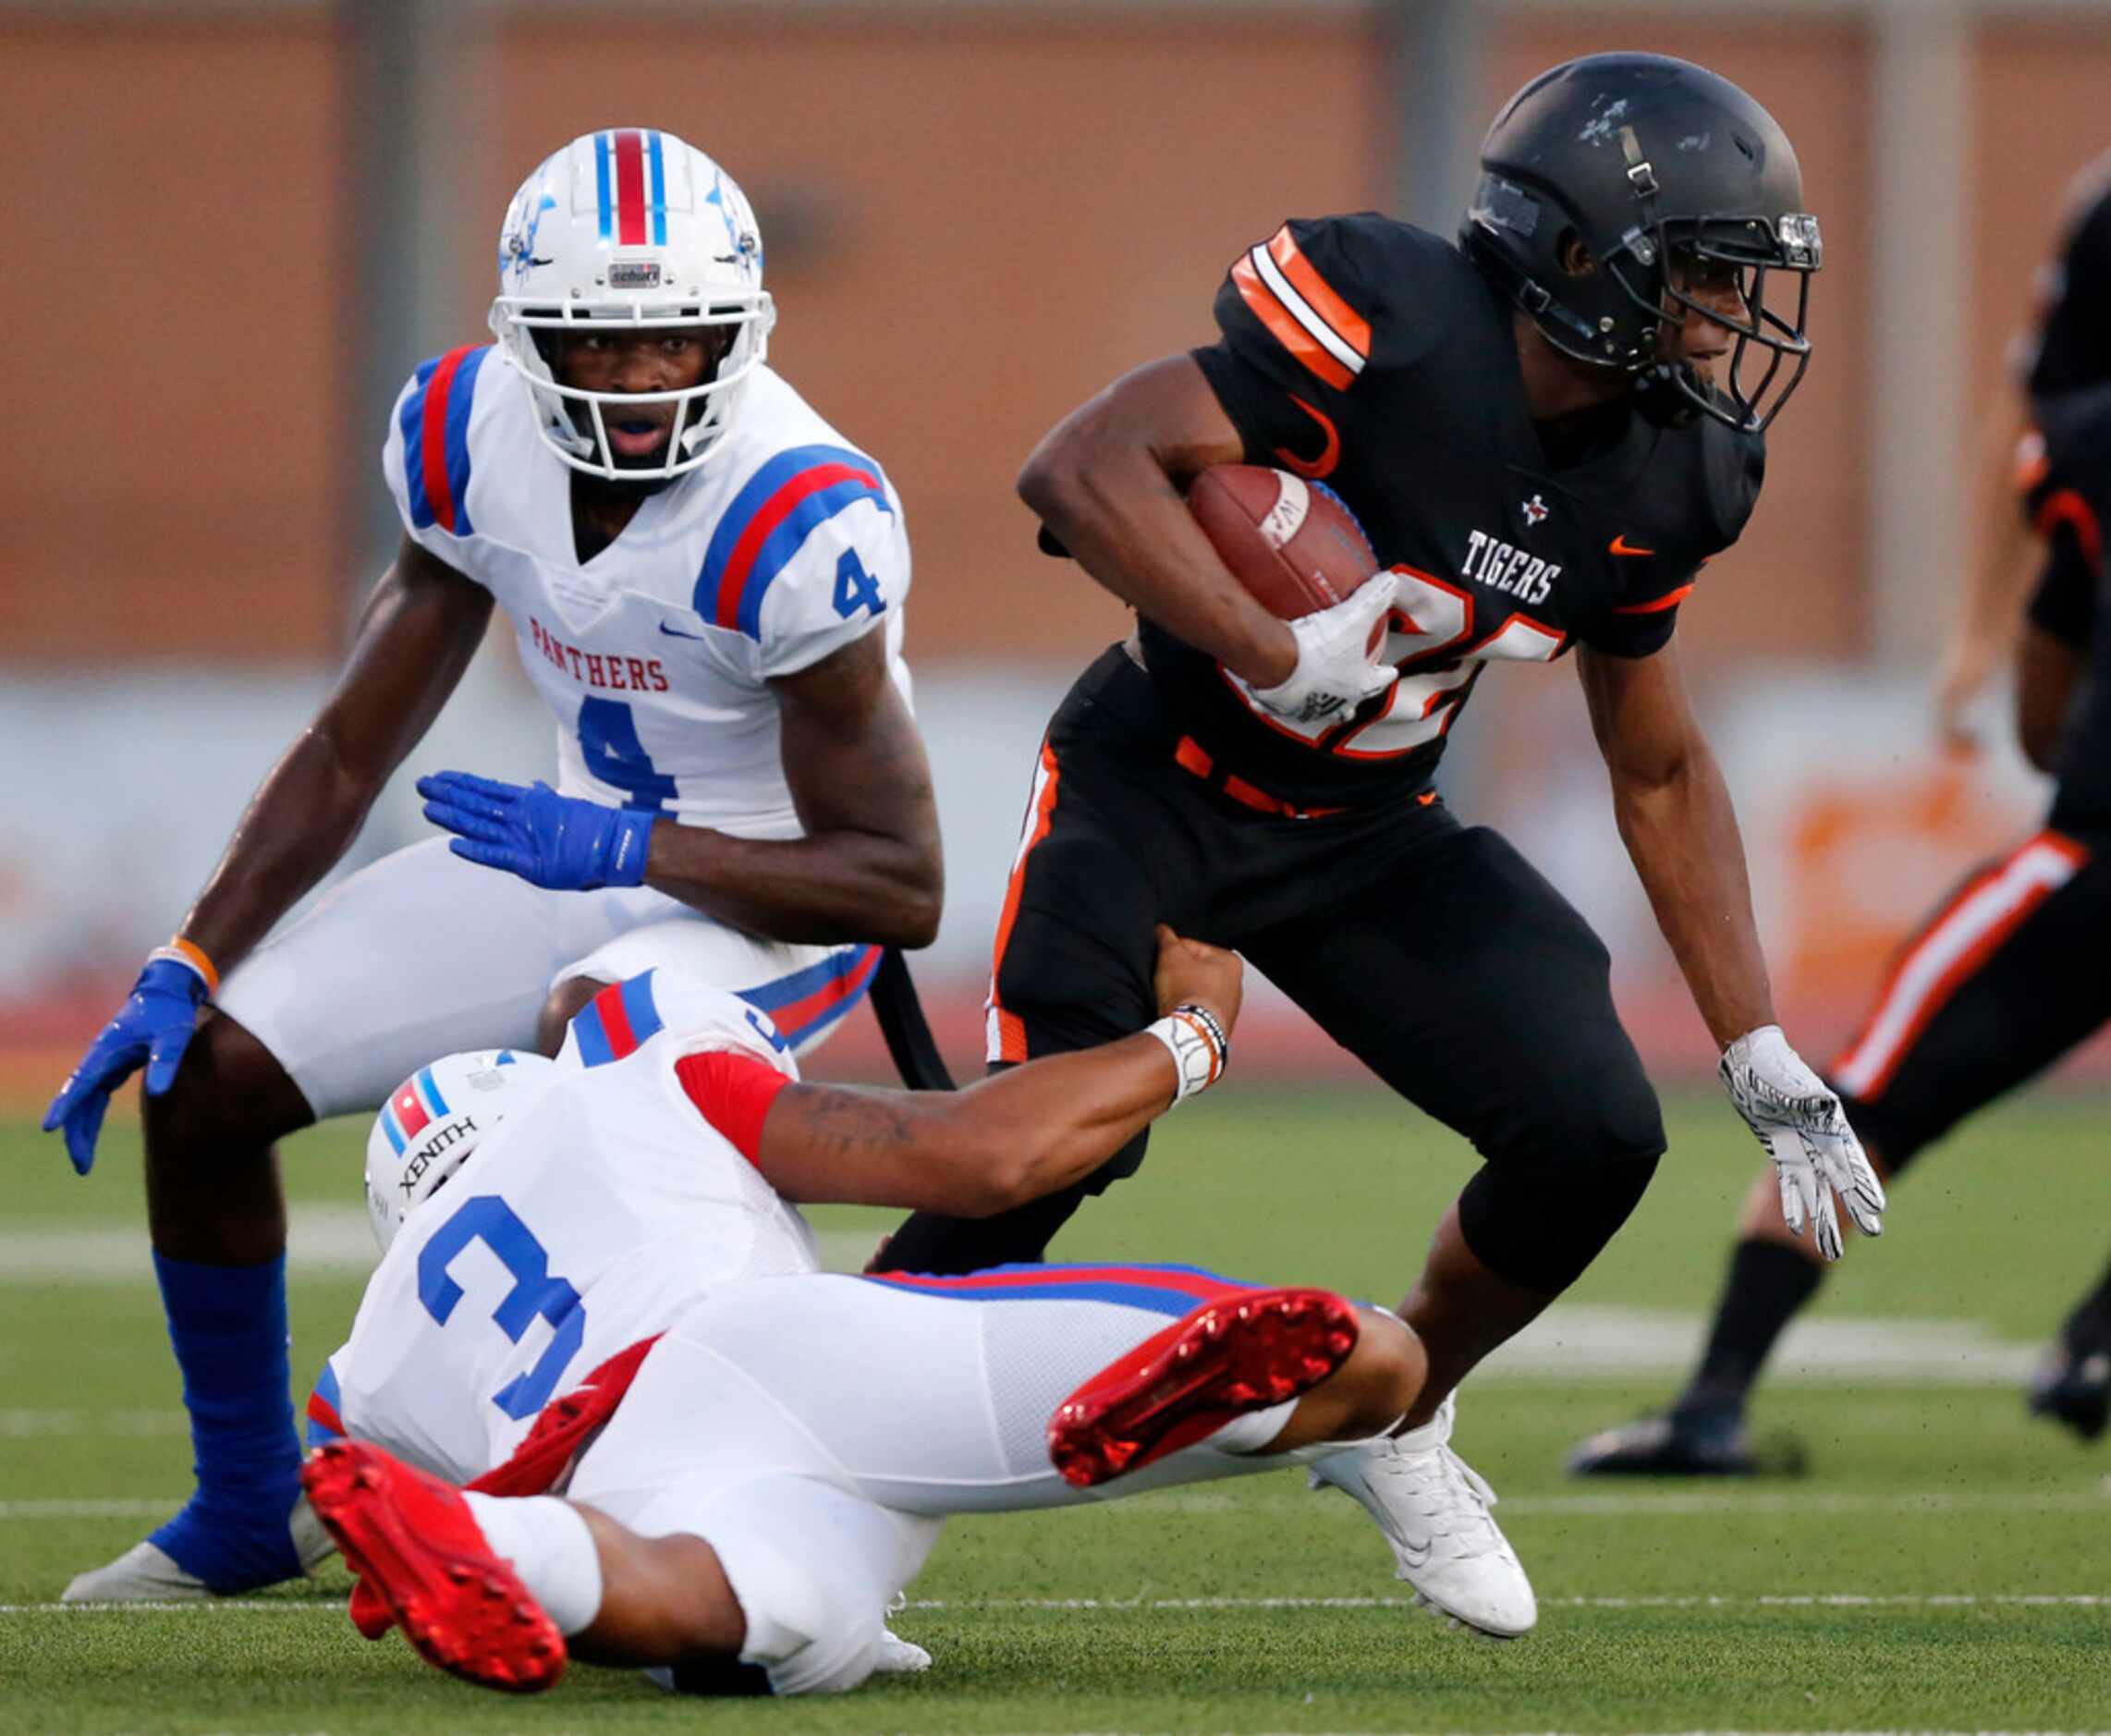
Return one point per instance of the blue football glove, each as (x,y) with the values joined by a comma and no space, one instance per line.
(560,842)
(154,1026)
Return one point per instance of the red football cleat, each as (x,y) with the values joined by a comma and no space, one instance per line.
(422,1561)
(1222,1361)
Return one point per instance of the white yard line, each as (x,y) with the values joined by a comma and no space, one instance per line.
(1675,1503)
(1786,1600)
(1570,1342)
(321,1240)
(24,1424)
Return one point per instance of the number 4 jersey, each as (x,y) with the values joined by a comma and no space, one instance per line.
(599,1211)
(655,655)
(1374,356)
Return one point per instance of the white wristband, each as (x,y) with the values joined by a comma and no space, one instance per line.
(1196,1040)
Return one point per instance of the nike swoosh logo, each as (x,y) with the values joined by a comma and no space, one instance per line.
(676,632)
(1620,545)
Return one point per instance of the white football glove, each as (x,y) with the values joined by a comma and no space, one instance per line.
(1805,1132)
(1334,672)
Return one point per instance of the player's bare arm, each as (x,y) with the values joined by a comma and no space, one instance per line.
(869,867)
(419,630)
(1675,819)
(415,637)
(1009,1138)
(1109,481)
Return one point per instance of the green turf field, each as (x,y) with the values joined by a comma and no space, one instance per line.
(1948,1566)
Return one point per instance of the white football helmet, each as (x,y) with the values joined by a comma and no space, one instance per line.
(433,1121)
(636,226)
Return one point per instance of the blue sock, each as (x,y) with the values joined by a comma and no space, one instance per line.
(227,1324)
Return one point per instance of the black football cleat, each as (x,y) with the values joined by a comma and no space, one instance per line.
(1679,1444)
(2072,1385)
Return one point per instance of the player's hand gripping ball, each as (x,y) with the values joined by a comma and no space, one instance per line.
(1301,554)
(562,843)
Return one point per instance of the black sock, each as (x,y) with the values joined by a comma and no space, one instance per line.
(2090,1324)
(1768,1282)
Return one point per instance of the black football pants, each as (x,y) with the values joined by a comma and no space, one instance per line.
(2011,972)
(1431,951)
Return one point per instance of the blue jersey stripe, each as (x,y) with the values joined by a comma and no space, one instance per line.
(326,1389)
(601,185)
(788,539)
(411,420)
(769,997)
(784,542)
(639,1007)
(594,1046)
(461,400)
(1158,1301)
(658,194)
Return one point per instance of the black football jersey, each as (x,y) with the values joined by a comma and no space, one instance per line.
(1374,356)
(2070,348)
(2070,504)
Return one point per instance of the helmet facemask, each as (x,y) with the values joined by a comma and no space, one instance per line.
(1768,339)
(629,231)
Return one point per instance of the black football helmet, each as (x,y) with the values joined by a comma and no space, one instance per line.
(1645,159)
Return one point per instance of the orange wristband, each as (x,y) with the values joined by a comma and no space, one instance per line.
(189,952)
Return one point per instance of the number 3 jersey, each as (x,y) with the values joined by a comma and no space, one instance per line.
(589,1221)
(1374,356)
(655,655)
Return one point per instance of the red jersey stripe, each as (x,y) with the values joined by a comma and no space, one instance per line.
(433,438)
(616,1021)
(772,513)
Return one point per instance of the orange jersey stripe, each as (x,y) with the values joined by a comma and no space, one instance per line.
(1973,925)
(2064,505)
(1349,325)
(1669,599)
(1269,310)
(1007,1031)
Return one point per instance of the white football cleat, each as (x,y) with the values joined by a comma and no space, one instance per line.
(1433,1508)
(899,1656)
(147,1574)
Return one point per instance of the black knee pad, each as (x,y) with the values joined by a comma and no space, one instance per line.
(1540,1219)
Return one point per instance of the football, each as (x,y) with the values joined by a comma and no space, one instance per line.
(1291,543)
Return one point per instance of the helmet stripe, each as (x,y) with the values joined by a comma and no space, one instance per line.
(629,187)
(601,183)
(657,160)
(393,1128)
(431,1090)
(409,1111)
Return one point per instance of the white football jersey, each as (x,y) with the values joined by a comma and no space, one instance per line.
(787,546)
(590,1218)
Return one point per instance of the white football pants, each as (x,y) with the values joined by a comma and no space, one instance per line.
(423,954)
(815,1431)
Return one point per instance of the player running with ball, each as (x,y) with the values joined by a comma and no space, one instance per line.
(705,581)
(1576,395)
